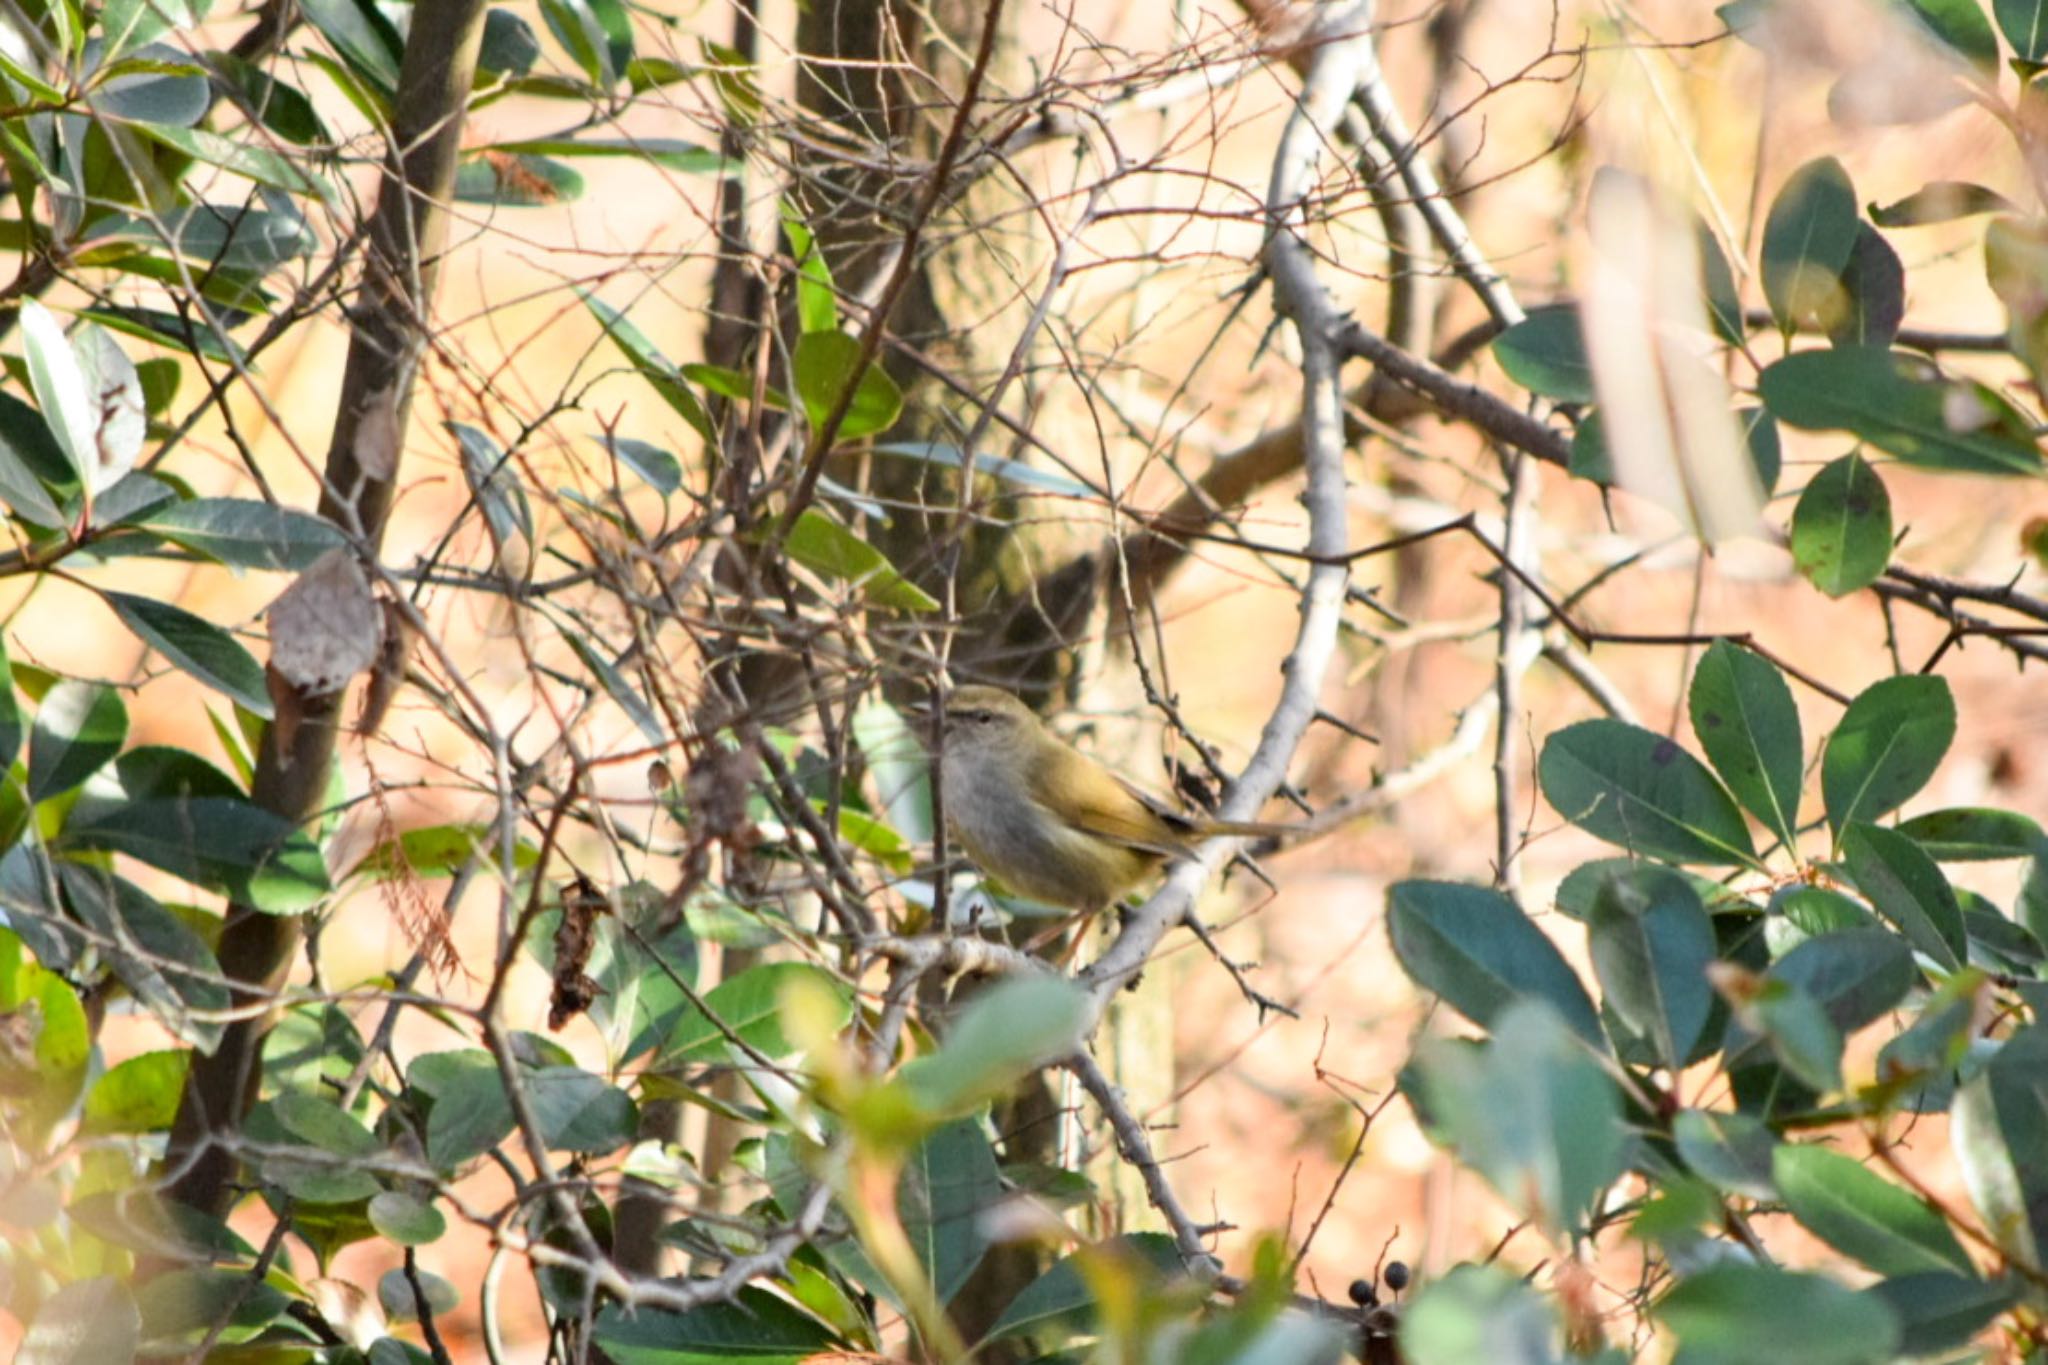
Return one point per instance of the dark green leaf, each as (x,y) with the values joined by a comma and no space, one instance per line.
(1476,949)
(1873,293)
(949,1185)
(509,47)
(257,163)
(652,365)
(748,1005)
(1731,1150)
(756,1325)
(395,1296)
(406,1220)
(1808,239)
(595,33)
(470,1113)
(1635,788)
(245,533)
(280,107)
(1905,886)
(77,730)
(824,366)
(12,728)
(181,1306)
(516,180)
(619,689)
(1808,911)
(1856,975)
(313,1048)
(259,859)
(2025,25)
(494,480)
(197,646)
(1942,1312)
(1842,527)
(1063,1298)
(579,1112)
(1745,719)
(1887,745)
(60,388)
(1973,834)
(1802,1037)
(1733,1314)
(1864,1216)
(819,542)
(1895,401)
(367,41)
(660,470)
(1651,942)
(30,461)
(666,152)
(222,236)
(1546,353)
(160,959)
(1723,300)
(154,84)
(126,24)
(1941,201)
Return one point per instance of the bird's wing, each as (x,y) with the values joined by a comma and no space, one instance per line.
(1110,809)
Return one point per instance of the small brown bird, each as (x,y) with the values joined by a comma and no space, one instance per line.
(1047,821)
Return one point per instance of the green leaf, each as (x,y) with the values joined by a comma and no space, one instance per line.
(1479,1315)
(651,365)
(1733,1151)
(1842,527)
(823,365)
(1740,1314)
(618,688)
(509,47)
(1855,975)
(516,180)
(225,843)
(252,162)
(666,152)
(31,461)
(12,727)
(1723,299)
(470,1113)
(579,1112)
(333,1176)
(1063,1300)
(138,1096)
(1886,746)
(1635,788)
(819,542)
(197,646)
(755,1326)
(162,961)
(1808,238)
(403,1219)
(2000,1136)
(181,1306)
(595,33)
(245,533)
(1864,1216)
(1651,942)
(1801,1035)
(1476,949)
(1973,834)
(1905,886)
(2025,25)
(1546,353)
(281,107)
(749,1006)
(88,1322)
(1873,293)
(126,24)
(1530,1109)
(1745,719)
(1942,201)
(77,730)
(1942,1313)
(366,40)
(948,1186)
(1007,1033)
(660,470)
(817,302)
(1898,403)
(1016,473)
